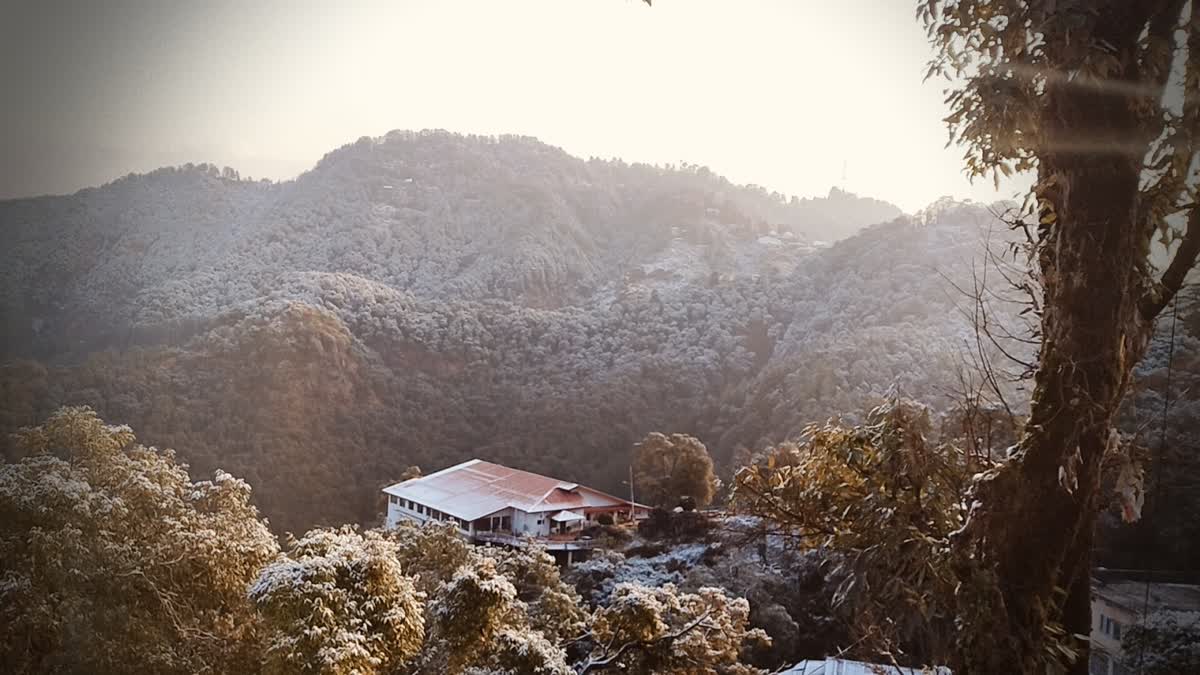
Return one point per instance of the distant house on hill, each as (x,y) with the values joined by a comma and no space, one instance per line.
(491,503)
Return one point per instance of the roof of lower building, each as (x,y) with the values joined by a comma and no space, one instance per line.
(836,666)
(477,488)
(1155,596)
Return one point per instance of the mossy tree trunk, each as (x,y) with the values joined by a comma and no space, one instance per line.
(1036,513)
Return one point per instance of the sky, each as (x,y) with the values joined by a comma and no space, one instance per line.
(794,95)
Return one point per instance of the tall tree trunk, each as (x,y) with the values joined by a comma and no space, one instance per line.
(1077,87)
(1043,503)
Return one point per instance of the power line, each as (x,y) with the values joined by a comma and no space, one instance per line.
(1162,449)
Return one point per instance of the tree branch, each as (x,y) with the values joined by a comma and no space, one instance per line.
(1183,262)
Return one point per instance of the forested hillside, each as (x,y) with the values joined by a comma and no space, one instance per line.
(426,298)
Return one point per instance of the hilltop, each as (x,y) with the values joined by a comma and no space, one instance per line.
(423,298)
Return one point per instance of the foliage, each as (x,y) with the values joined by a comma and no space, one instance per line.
(552,607)
(668,468)
(677,526)
(1163,416)
(339,602)
(1167,642)
(431,553)
(114,560)
(660,630)
(469,615)
(886,497)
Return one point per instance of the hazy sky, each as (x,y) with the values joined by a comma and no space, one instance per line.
(780,93)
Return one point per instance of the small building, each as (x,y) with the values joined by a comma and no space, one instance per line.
(490,503)
(1119,603)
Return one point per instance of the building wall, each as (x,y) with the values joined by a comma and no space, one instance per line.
(527,523)
(398,510)
(513,516)
(520,522)
(1109,623)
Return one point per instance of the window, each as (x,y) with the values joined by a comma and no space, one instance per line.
(1110,627)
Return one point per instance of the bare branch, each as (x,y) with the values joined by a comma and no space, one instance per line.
(1182,263)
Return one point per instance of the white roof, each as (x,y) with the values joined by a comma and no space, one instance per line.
(566,516)
(477,488)
(835,666)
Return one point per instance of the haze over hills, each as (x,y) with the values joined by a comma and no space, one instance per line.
(435,214)
(423,298)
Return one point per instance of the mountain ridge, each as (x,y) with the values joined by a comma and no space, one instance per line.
(511,303)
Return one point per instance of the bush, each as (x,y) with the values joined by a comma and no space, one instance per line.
(677,526)
(648,550)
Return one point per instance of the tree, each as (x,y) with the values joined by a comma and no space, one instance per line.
(551,606)
(339,603)
(886,498)
(114,560)
(431,553)
(1166,642)
(477,621)
(1087,94)
(660,630)
(667,468)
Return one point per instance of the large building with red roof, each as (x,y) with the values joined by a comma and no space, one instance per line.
(493,503)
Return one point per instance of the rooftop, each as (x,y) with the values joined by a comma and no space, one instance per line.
(1131,595)
(477,488)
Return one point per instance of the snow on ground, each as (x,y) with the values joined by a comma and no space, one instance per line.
(669,567)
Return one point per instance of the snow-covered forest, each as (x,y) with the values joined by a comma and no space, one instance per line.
(421,299)
(424,298)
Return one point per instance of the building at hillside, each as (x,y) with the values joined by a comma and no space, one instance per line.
(490,503)
(1119,603)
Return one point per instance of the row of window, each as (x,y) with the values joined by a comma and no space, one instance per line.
(423,510)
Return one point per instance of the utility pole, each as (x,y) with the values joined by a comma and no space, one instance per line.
(631,501)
